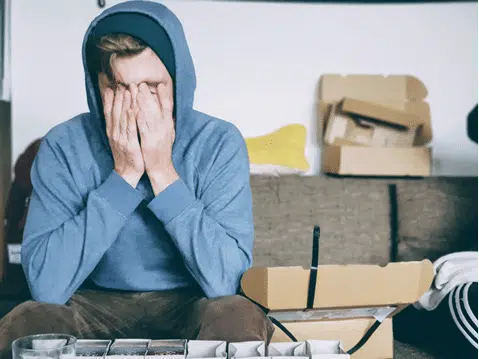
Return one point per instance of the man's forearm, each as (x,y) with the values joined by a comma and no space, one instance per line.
(77,243)
(215,257)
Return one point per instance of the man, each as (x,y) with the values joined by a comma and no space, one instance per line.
(143,198)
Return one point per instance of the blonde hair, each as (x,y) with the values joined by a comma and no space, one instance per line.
(116,45)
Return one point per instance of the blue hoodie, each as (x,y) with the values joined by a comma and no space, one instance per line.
(86,222)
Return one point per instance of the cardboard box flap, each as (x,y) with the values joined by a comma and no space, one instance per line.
(384,114)
(372,88)
(339,286)
(400,92)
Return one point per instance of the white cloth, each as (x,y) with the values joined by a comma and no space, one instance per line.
(451,271)
(462,314)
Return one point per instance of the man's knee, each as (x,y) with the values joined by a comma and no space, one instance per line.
(235,306)
(37,315)
(25,309)
(30,318)
(234,319)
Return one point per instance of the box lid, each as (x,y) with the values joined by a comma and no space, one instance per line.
(372,87)
(339,286)
(401,92)
(383,114)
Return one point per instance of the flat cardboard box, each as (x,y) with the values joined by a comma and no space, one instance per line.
(365,123)
(353,295)
(352,160)
(398,92)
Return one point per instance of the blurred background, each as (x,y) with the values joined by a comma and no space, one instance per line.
(258,63)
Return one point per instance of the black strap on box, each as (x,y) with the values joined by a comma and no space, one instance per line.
(313,278)
(273,320)
(365,338)
(313,274)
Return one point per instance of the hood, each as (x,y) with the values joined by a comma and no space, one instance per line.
(184,77)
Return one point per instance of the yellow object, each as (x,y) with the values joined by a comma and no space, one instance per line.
(284,147)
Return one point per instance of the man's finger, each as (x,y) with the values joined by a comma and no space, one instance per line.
(126,100)
(131,131)
(142,125)
(124,115)
(145,98)
(165,98)
(108,96)
(116,113)
(134,98)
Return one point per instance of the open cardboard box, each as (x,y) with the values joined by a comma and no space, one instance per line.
(401,100)
(349,299)
(358,122)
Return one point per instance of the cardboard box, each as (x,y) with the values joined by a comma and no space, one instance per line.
(401,100)
(363,123)
(348,300)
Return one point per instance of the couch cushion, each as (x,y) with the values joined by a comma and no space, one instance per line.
(353,215)
(436,216)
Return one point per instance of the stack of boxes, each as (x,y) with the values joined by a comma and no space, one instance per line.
(374,126)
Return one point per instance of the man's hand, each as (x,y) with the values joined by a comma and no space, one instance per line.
(157,132)
(123,136)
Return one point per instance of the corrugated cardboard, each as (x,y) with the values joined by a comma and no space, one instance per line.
(365,123)
(395,285)
(352,160)
(404,94)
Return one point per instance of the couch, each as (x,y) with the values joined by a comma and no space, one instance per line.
(369,221)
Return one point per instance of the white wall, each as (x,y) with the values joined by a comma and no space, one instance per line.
(258,64)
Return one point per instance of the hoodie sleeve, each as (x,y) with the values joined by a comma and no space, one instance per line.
(67,233)
(214,233)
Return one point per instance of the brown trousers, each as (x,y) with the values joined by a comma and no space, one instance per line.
(176,314)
